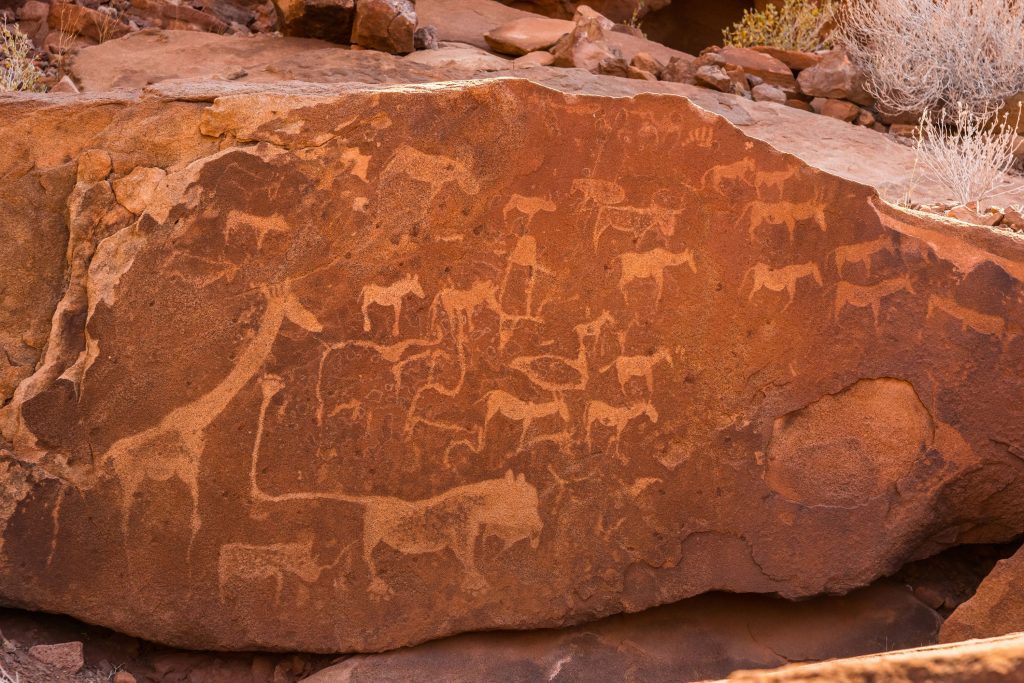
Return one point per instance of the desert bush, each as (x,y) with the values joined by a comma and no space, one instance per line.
(967,151)
(935,54)
(796,25)
(17,70)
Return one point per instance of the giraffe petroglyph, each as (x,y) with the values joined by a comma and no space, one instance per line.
(172,448)
(389,295)
(651,265)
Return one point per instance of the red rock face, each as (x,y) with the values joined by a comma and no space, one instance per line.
(394,364)
(996,609)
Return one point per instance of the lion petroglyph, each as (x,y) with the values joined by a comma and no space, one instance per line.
(435,170)
(247,563)
(864,296)
(615,417)
(862,253)
(503,403)
(628,367)
(737,170)
(389,296)
(787,213)
(783,279)
(172,448)
(455,520)
(651,265)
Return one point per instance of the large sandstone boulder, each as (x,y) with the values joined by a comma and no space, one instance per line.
(996,609)
(367,366)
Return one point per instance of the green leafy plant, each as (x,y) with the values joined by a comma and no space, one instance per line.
(18,72)
(796,25)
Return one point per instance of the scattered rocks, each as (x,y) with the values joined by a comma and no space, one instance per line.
(766,67)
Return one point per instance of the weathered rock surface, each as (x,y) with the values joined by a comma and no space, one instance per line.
(705,637)
(335,388)
(147,57)
(995,660)
(996,609)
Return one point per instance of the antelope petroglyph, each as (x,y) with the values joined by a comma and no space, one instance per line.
(247,563)
(651,265)
(615,417)
(783,279)
(787,213)
(628,367)
(600,192)
(982,323)
(636,221)
(389,295)
(502,403)
(864,296)
(862,253)
(527,206)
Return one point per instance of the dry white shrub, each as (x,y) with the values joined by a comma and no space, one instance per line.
(17,70)
(968,152)
(7,678)
(934,54)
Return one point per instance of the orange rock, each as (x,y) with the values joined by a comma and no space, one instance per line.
(996,609)
(378,365)
(996,660)
(385,25)
(326,19)
(527,35)
(835,77)
(764,66)
(794,59)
